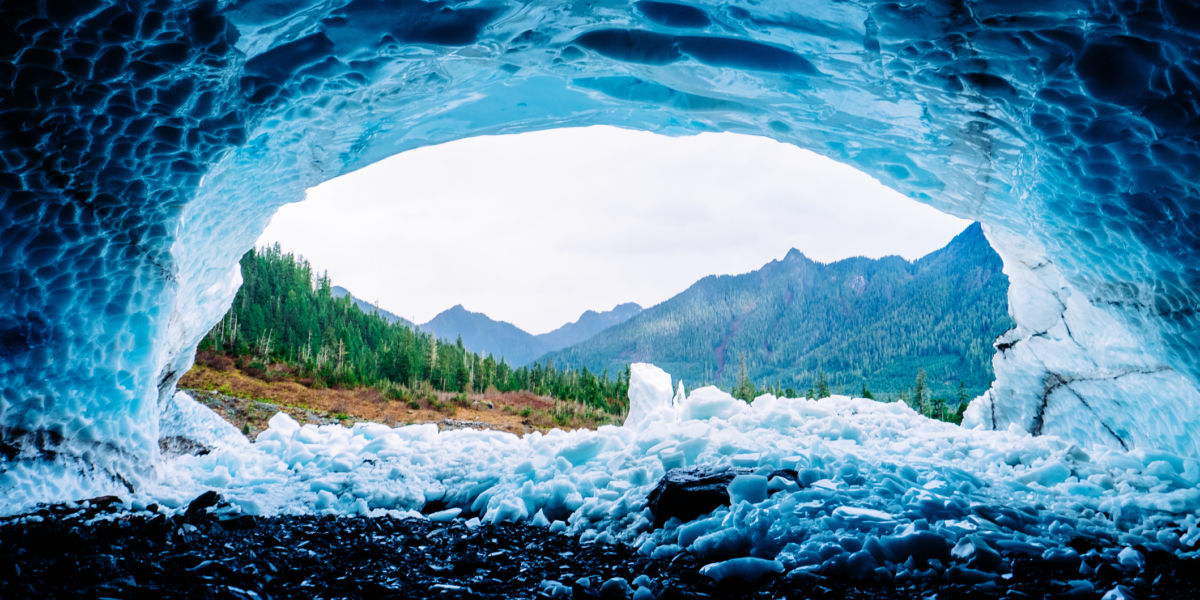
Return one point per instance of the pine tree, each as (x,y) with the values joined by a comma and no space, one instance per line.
(433,355)
(866,393)
(745,388)
(822,385)
(921,394)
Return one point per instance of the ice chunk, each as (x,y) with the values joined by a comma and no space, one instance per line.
(617,587)
(187,424)
(679,397)
(445,515)
(555,589)
(748,488)
(858,513)
(1131,559)
(748,569)
(649,394)
(1119,592)
(709,402)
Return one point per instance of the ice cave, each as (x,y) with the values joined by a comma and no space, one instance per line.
(146,144)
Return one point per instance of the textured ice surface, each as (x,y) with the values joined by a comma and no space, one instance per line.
(876,490)
(146,144)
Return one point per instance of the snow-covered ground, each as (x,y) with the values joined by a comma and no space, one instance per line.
(878,491)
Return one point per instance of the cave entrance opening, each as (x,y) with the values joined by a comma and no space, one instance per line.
(535,229)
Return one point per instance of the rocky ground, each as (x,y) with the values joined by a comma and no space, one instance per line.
(101,549)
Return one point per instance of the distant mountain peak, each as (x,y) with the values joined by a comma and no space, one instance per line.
(483,334)
(589,324)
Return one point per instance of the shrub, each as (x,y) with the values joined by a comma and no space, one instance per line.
(256,369)
(214,361)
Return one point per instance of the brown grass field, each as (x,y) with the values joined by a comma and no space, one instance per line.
(249,402)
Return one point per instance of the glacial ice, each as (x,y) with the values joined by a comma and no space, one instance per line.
(147,144)
(878,492)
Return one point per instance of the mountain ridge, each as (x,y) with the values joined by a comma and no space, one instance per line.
(794,318)
(482,334)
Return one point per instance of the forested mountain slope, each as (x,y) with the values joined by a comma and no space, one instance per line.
(286,321)
(859,321)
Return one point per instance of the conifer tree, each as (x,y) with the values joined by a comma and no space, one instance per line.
(921,394)
(822,385)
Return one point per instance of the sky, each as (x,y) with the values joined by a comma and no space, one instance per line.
(536,228)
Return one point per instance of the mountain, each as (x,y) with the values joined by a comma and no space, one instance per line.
(859,321)
(480,333)
(589,324)
(339,291)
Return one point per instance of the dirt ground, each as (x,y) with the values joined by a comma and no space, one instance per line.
(249,402)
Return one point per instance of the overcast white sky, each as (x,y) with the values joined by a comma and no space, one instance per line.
(536,228)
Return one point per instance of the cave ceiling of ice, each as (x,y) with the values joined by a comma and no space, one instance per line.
(145,145)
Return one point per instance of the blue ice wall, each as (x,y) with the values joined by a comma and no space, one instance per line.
(145,144)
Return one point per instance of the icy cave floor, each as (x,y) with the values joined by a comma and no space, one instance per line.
(840,492)
(98,550)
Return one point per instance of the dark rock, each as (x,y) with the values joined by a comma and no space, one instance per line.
(197,509)
(239,523)
(689,493)
(104,503)
(72,555)
(175,445)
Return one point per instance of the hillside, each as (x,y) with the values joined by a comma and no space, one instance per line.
(287,324)
(859,321)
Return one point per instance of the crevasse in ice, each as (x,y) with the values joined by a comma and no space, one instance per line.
(146,144)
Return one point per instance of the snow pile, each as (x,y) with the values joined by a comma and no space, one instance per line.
(837,485)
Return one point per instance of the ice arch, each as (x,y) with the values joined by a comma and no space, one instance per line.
(146,143)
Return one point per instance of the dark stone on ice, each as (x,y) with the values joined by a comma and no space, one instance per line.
(198,507)
(175,445)
(689,493)
(103,502)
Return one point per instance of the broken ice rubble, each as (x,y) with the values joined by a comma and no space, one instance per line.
(838,485)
